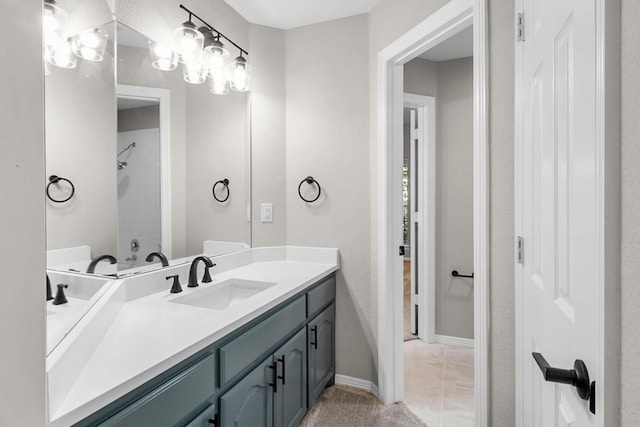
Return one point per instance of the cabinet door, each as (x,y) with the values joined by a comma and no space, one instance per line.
(250,402)
(290,398)
(320,335)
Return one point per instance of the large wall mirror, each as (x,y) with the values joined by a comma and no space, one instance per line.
(144,153)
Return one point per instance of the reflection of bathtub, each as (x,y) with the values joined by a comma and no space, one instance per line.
(217,247)
(77,259)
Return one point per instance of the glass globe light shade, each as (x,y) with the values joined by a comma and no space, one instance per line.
(216,59)
(52,17)
(194,73)
(90,44)
(163,58)
(218,86)
(239,74)
(190,42)
(60,54)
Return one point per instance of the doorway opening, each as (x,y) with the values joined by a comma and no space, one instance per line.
(450,20)
(438,229)
(144,182)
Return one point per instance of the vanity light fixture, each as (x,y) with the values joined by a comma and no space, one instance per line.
(190,42)
(163,58)
(90,44)
(63,51)
(203,55)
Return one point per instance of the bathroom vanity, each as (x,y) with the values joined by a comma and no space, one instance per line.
(253,347)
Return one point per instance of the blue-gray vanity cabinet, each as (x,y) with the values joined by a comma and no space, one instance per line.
(290,398)
(171,403)
(250,402)
(274,393)
(321,339)
(207,418)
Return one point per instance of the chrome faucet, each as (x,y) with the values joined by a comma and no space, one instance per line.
(160,256)
(193,271)
(96,260)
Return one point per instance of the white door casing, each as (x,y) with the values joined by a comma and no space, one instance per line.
(560,204)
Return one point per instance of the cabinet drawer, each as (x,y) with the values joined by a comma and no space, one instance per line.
(238,354)
(171,402)
(207,418)
(321,296)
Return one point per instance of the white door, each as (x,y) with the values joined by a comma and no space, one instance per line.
(416,202)
(562,243)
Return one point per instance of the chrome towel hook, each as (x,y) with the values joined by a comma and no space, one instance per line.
(55,179)
(225,183)
(310,180)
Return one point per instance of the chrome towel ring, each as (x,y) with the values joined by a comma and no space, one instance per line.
(55,179)
(310,180)
(225,183)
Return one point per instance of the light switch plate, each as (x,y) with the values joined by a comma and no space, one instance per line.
(266,212)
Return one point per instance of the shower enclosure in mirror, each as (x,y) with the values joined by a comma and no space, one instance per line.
(143,150)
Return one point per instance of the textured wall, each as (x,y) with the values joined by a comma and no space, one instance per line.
(501,216)
(630,206)
(328,138)
(268,137)
(22,218)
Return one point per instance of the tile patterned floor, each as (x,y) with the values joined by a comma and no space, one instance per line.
(438,381)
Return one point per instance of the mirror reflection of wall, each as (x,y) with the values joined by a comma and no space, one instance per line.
(80,116)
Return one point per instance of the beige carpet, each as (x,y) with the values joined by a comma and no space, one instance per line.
(407,302)
(340,406)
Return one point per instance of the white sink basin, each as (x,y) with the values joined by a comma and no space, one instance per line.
(224,294)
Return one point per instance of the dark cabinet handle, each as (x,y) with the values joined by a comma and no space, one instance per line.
(578,376)
(274,384)
(283,369)
(214,420)
(314,340)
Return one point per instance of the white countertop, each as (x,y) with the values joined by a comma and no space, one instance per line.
(149,335)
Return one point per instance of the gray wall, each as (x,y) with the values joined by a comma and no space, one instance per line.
(80,124)
(630,206)
(139,118)
(268,144)
(22,217)
(328,138)
(454,197)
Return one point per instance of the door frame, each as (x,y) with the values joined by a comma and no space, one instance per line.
(426,114)
(163,96)
(607,28)
(448,20)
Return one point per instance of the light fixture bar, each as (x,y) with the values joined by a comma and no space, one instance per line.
(213,29)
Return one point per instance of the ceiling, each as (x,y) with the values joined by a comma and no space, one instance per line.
(287,14)
(459,45)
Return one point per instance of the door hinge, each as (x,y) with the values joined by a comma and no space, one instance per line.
(520,250)
(520,27)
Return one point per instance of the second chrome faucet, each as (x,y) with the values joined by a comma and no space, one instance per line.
(193,271)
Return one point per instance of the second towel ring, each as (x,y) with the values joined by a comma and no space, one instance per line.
(309,180)
(54,179)
(224,182)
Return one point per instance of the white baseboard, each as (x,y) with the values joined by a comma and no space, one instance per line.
(357,383)
(446,339)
